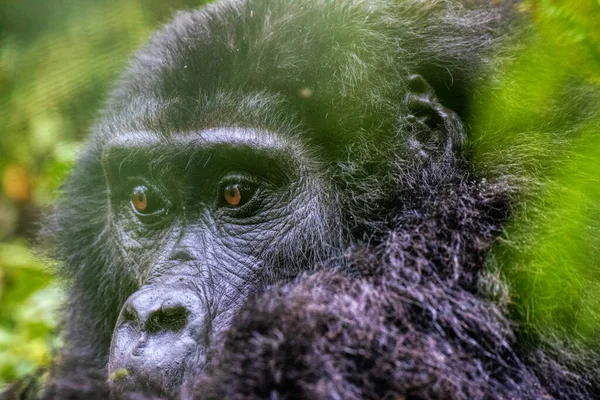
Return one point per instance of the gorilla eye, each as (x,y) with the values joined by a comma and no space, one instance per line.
(139,199)
(145,202)
(236,192)
(232,195)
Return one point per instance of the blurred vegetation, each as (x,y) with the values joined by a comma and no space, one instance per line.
(57,60)
(539,122)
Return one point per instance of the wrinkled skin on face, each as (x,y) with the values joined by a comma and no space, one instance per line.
(226,207)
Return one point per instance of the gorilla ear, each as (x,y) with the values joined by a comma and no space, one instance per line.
(437,130)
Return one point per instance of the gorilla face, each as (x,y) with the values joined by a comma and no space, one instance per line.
(204,220)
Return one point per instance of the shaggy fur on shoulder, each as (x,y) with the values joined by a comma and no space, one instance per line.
(407,320)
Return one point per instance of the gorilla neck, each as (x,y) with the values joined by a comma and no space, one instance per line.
(445,234)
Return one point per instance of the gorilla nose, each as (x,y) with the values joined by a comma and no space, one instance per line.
(153,310)
(160,333)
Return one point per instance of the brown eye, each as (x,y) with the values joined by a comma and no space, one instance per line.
(148,204)
(139,199)
(232,195)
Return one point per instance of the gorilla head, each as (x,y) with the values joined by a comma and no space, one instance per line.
(250,145)
(239,190)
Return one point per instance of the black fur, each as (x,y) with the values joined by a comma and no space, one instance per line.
(410,308)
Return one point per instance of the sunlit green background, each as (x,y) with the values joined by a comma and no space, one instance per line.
(57,59)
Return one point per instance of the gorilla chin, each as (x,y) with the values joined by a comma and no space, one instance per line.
(277,202)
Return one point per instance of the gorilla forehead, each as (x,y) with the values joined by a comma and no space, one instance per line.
(244,65)
(158,115)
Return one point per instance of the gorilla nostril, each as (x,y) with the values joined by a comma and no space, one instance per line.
(167,319)
(129,314)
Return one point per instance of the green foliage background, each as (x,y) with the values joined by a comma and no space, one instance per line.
(539,122)
(57,60)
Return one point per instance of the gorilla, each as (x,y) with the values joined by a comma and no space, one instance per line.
(278,202)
